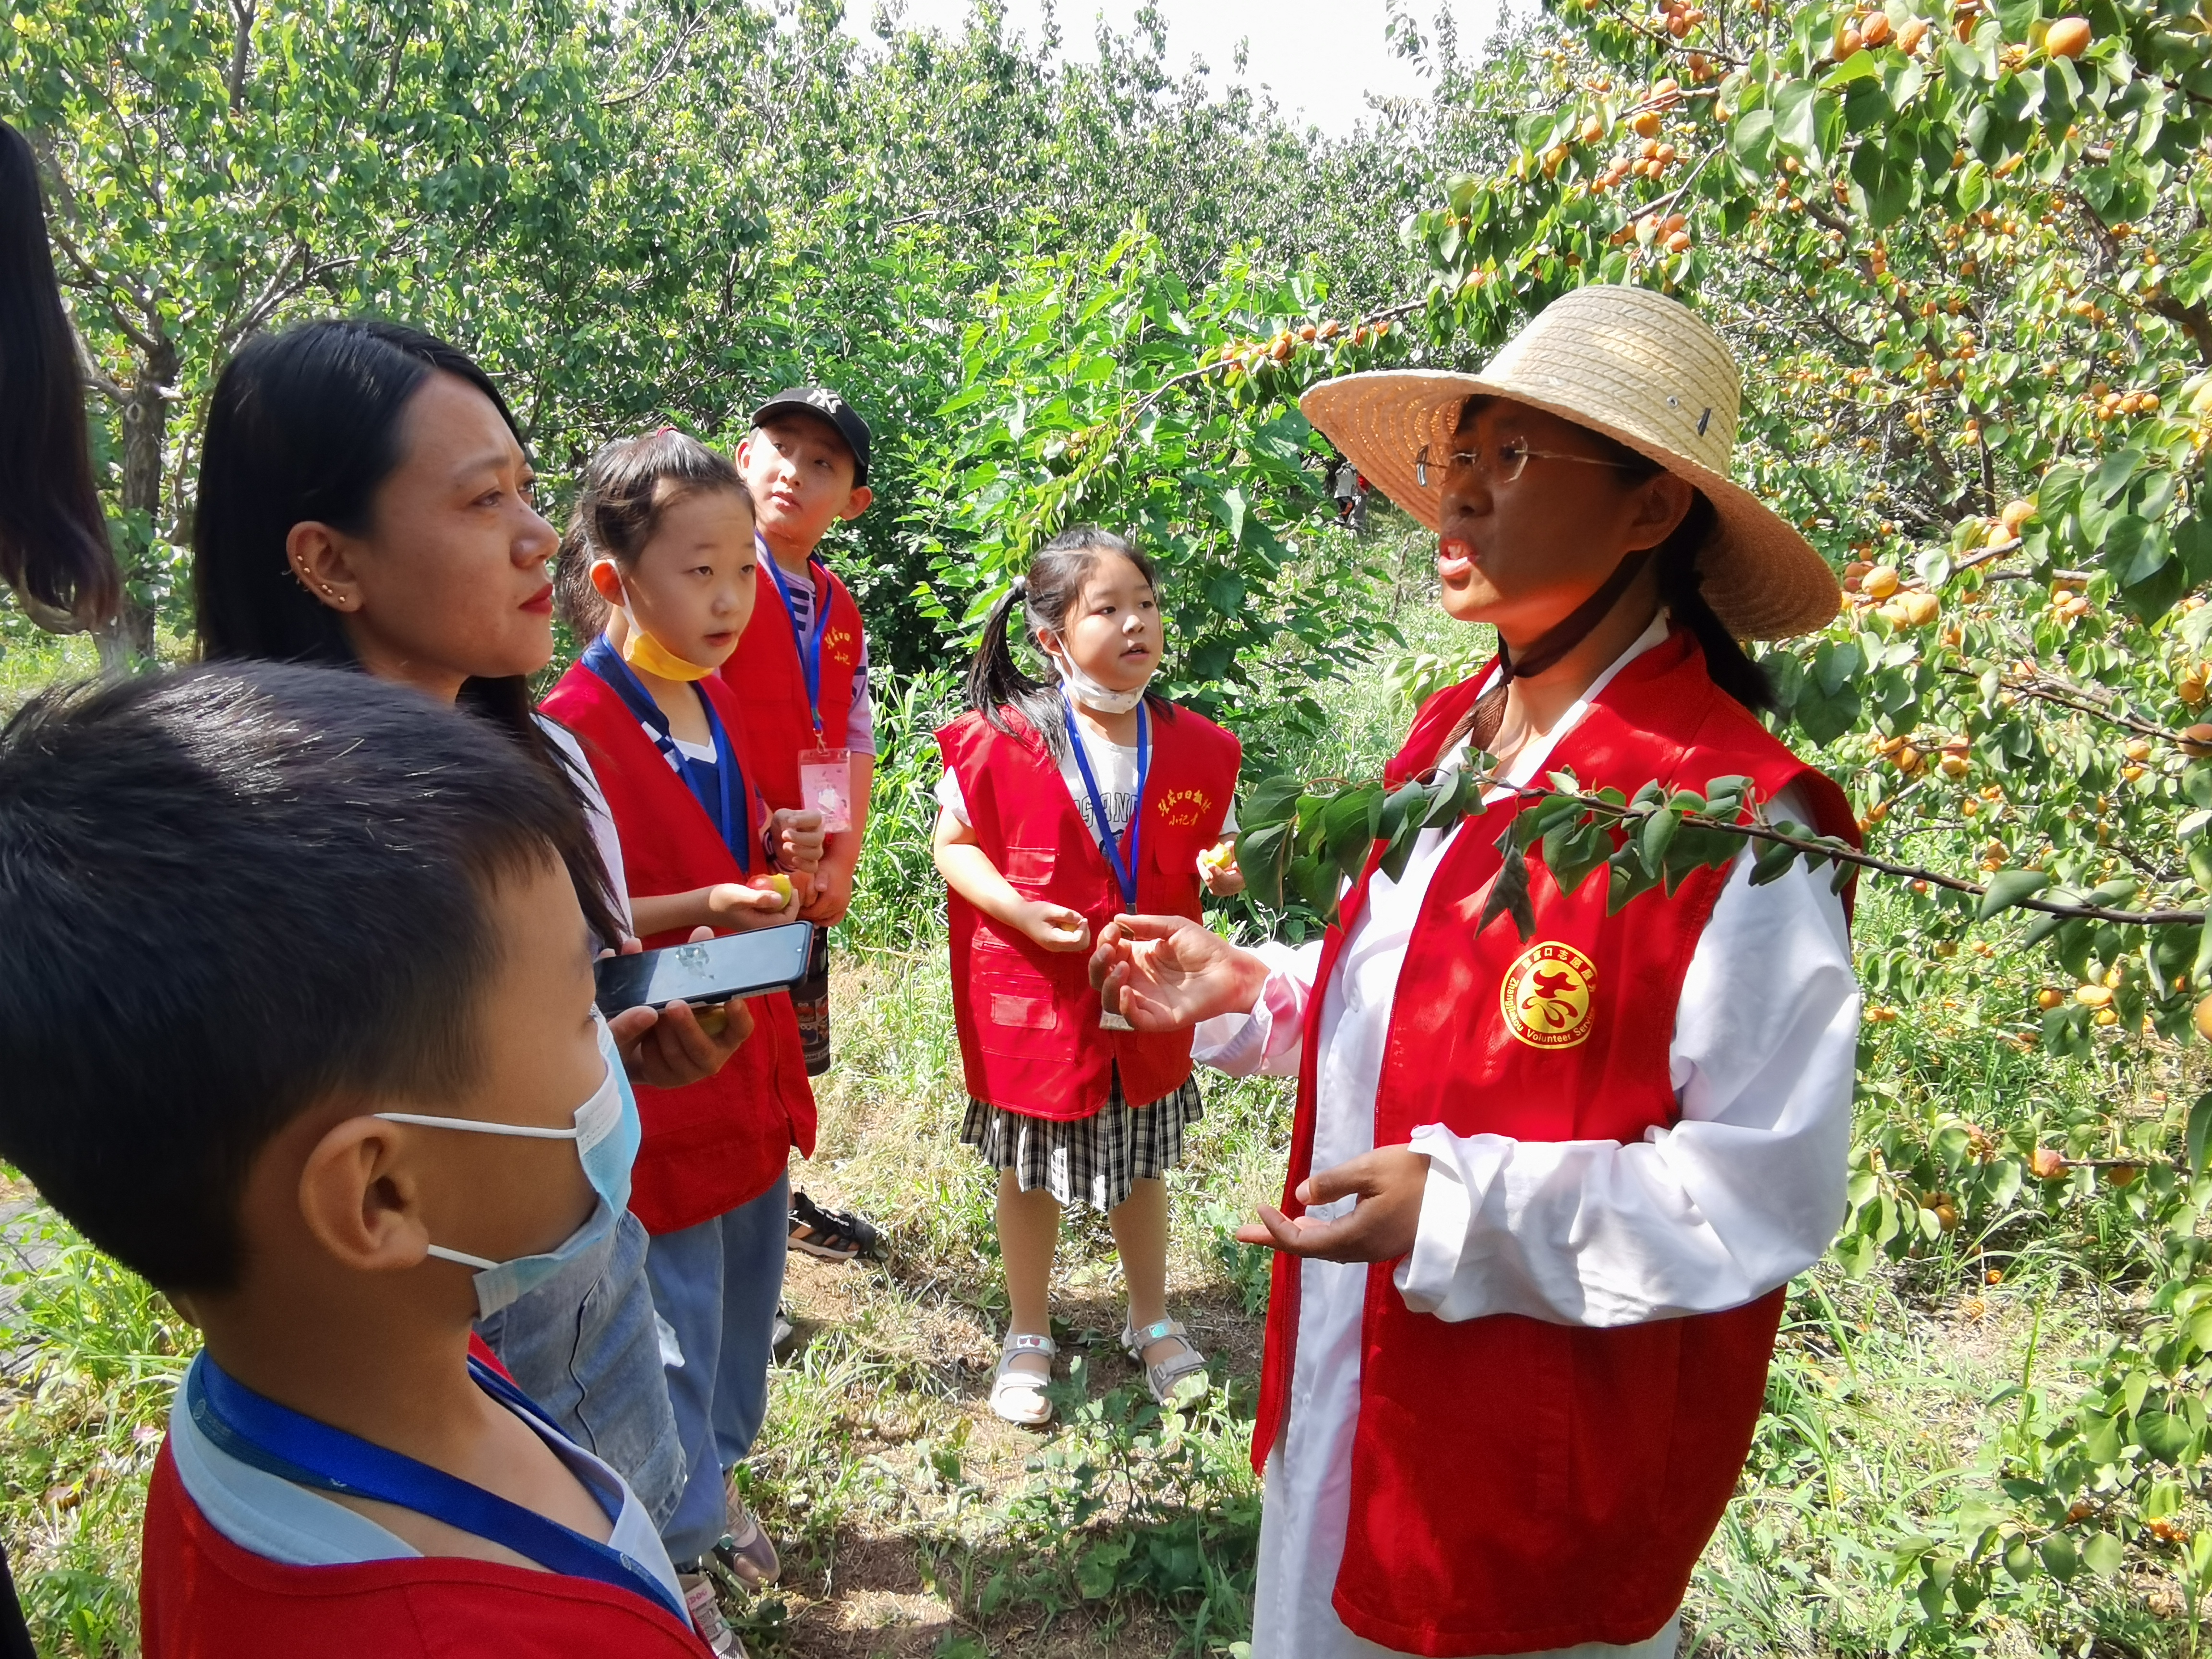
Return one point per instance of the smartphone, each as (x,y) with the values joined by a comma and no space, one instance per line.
(712,971)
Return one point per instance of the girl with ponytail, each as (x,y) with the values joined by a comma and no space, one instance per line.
(1062,806)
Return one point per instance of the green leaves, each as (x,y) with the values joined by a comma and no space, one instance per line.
(1808,122)
(1308,845)
(2007,888)
(1885,172)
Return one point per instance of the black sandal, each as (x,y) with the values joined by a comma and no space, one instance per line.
(832,1235)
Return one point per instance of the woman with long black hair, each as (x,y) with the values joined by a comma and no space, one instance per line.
(365,501)
(53,537)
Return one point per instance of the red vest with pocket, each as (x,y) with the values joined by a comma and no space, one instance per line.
(764,672)
(725,1140)
(201,1597)
(1028,1019)
(1572,1508)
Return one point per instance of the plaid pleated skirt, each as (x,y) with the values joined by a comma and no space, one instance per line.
(1086,1160)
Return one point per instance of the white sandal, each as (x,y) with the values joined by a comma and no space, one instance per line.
(1018,1396)
(1181,1378)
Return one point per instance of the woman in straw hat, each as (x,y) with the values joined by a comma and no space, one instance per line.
(1507,1396)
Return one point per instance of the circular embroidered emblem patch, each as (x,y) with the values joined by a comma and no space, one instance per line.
(1546,995)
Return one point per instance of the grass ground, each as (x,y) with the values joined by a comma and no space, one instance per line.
(915,1523)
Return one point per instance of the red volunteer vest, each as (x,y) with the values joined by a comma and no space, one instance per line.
(201,1597)
(723,1141)
(1028,1019)
(765,672)
(1581,1520)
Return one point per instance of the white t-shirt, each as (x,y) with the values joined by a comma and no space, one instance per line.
(605,836)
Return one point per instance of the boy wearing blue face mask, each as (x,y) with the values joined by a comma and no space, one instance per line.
(365,1093)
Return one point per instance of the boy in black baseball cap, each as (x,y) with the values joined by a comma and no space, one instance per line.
(802,667)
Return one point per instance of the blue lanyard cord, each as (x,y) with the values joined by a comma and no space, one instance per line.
(257,1431)
(810,650)
(717,801)
(1125,873)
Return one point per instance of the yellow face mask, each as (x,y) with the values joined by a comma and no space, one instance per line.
(642,652)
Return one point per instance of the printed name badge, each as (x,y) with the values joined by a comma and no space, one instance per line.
(825,785)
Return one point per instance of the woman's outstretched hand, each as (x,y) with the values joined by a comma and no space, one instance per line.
(1167,973)
(1389,1181)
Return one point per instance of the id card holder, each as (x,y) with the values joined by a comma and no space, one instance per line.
(826,786)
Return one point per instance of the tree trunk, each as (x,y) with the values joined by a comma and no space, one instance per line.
(145,435)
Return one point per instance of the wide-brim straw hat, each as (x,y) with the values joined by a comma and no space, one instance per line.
(1641,369)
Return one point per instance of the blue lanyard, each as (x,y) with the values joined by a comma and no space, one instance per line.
(810,650)
(717,801)
(1125,874)
(257,1431)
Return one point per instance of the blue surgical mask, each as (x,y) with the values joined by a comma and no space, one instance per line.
(606,1132)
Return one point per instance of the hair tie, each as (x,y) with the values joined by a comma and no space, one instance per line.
(1021,587)
(662,432)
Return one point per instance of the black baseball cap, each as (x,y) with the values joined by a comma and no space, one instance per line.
(825,404)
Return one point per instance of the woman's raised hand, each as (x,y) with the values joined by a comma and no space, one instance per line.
(1167,973)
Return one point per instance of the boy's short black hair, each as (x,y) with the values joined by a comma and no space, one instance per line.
(226,895)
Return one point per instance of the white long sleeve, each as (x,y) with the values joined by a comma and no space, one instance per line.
(1743,1192)
(1265,1042)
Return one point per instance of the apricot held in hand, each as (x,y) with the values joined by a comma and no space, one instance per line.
(777,883)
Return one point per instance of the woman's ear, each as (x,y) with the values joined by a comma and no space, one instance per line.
(606,581)
(1661,502)
(360,1200)
(318,558)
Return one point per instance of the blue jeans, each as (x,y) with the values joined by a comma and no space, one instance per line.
(583,1346)
(717,1283)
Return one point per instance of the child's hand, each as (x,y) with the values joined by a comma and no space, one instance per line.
(1055,926)
(832,896)
(1217,868)
(797,838)
(741,906)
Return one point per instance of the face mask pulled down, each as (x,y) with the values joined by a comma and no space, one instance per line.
(607,1134)
(648,655)
(1081,688)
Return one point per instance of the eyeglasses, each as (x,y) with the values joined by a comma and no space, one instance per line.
(1504,464)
